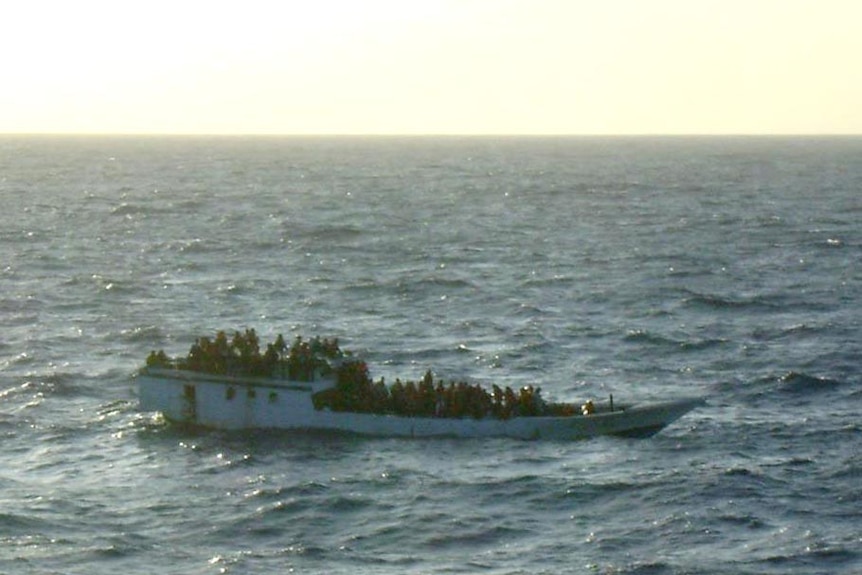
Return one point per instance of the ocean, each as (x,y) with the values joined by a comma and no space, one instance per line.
(642,267)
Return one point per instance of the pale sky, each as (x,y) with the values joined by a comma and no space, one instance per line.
(431,66)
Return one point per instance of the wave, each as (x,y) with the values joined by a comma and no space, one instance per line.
(324,233)
(463,536)
(549,282)
(717,302)
(819,554)
(646,568)
(650,338)
(793,331)
(411,352)
(143,334)
(102,283)
(642,336)
(58,384)
(411,285)
(612,490)
(803,384)
(26,525)
(126,209)
(155,204)
(26,389)
(798,386)
(534,349)
(745,520)
(192,246)
(528,310)
(364,285)
(424,283)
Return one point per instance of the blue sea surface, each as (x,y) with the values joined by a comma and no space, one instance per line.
(646,268)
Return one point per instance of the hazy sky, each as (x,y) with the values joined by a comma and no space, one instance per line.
(431,66)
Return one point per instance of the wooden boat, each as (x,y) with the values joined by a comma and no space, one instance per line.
(281,399)
(228,402)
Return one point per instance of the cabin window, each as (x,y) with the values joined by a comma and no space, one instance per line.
(273,397)
(230,393)
(252,393)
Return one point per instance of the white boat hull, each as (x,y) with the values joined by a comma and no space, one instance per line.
(253,403)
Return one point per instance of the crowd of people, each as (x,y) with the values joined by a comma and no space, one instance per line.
(354,390)
(241,355)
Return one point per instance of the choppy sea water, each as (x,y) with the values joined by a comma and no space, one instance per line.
(643,267)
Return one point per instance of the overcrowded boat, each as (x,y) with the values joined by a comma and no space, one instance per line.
(228,383)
